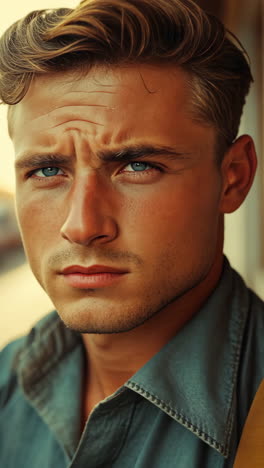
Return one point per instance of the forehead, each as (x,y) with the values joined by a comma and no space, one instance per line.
(134,82)
(137,101)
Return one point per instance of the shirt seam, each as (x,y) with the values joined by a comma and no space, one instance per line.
(177,416)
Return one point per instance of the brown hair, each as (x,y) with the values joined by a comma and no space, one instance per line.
(111,32)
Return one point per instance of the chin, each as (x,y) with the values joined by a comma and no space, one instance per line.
(115,320)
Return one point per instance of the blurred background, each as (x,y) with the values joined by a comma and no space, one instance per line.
(22,301)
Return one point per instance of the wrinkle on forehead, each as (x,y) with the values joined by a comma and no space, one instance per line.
(103,81)
(122,104)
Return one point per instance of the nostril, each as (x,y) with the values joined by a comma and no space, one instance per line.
(102,231)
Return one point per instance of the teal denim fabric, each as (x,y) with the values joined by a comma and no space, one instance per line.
(185,408)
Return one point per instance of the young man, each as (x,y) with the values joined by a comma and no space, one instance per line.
(124,116)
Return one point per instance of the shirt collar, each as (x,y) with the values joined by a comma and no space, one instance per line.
(193,378)
(50,368)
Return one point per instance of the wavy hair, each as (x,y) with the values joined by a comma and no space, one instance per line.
(117,32)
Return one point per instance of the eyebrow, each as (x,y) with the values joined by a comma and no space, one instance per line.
(28,161)
(141,151)
(128,153)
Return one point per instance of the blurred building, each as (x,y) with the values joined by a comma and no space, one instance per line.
(9,232)
(22,301)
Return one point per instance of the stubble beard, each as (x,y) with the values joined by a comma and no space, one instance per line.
(128,318)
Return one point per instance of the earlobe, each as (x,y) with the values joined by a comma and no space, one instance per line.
(238,171)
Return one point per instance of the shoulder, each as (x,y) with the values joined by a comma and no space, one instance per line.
(10,358)
(246,303)
(251,369)
(254,331)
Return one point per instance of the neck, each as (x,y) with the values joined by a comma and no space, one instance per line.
(112,359)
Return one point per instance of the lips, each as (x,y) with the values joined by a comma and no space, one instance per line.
(75,269)
(93,277)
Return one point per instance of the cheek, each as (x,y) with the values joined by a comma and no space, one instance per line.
(37,222)
(182,212)
(179,204)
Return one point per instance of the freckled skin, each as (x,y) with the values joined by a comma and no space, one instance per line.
(163,226)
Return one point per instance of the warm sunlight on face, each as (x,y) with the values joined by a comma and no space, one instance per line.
(13,11)
(118,181)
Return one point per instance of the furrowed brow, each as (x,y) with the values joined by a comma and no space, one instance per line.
(141,151)
(128,153)
(37,160)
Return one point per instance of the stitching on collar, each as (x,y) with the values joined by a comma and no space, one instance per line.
(178,417)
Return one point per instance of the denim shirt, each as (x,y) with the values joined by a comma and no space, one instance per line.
(185,408)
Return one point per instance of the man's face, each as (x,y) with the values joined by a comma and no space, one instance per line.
(116,180)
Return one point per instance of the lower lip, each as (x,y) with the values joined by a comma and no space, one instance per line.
(92,281)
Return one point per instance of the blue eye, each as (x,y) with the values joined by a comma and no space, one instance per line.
(47,172)
(139,166)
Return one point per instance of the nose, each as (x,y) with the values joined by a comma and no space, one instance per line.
(90,217)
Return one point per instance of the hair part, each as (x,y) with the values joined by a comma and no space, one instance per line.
(120,32)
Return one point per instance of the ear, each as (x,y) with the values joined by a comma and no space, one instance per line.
(238,170)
